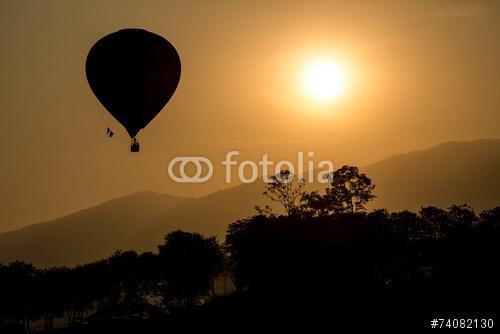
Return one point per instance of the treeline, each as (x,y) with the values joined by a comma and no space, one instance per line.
(126,284)
(328,261)
(325,257)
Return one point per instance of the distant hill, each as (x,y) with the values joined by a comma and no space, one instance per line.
(209,215)
(450,173)
(453,172)
(85,235)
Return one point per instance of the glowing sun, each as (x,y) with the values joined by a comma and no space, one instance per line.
(324,81)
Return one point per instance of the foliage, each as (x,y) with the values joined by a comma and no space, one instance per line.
(285,189)
(190,263)
(325,251)
(349,192)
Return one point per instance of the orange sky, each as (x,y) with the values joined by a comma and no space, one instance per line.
(420,73)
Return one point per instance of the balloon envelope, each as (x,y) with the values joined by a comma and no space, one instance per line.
(133,73)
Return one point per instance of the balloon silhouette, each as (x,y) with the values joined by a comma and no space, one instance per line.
(133,73)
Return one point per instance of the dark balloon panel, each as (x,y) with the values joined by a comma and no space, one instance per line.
(133,73)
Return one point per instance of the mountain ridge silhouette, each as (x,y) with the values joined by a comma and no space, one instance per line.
(139,221)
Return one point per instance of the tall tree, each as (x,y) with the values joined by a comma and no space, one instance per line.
(17,292)
(349,192)
(190,263)
(285,189)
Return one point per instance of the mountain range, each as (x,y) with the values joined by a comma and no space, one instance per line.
(449,173)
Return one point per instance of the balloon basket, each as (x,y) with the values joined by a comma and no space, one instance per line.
(134,146)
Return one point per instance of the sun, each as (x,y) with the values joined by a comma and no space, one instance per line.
(324,81)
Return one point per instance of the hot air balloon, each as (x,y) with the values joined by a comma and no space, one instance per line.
(133,73)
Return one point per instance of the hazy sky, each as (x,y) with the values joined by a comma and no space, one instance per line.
(419,73)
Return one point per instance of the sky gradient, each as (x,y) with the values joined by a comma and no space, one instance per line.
(420,73)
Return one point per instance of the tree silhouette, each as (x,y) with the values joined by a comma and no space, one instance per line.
(17,291)
(50,297)
(285,189)
(461,215)
(349,192)
(434,221)
(190,262)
